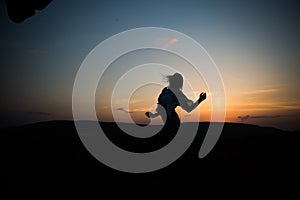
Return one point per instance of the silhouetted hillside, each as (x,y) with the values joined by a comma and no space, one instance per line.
(49,157)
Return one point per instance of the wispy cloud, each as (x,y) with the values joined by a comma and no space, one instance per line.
(264,91)
(246,117)
(167,42)
(172,41)
(123,110)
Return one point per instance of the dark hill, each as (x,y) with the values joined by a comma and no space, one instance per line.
(49,157)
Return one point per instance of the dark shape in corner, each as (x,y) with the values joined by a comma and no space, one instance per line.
(19,10)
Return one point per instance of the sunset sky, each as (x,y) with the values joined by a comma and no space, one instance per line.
(255,45)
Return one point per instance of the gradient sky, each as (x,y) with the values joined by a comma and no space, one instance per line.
(255,44)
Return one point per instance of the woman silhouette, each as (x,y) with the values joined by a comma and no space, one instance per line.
(168,100)
(171,97)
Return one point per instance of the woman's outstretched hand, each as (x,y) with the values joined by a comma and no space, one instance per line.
(202,97)
(147,114)
(151,115)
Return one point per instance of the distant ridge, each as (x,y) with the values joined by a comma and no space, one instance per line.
(107,123)
(49,156)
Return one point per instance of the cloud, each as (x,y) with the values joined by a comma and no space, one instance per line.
(167,42)
(123,110)
(246,117)
(172,41)
(264,91)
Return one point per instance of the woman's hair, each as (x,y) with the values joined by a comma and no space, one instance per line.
(175,80)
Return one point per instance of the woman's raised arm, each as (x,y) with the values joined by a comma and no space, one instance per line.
(189,105)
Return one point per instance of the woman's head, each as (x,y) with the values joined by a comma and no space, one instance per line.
(175,81)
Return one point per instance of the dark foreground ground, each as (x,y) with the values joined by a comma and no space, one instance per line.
(247,162)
